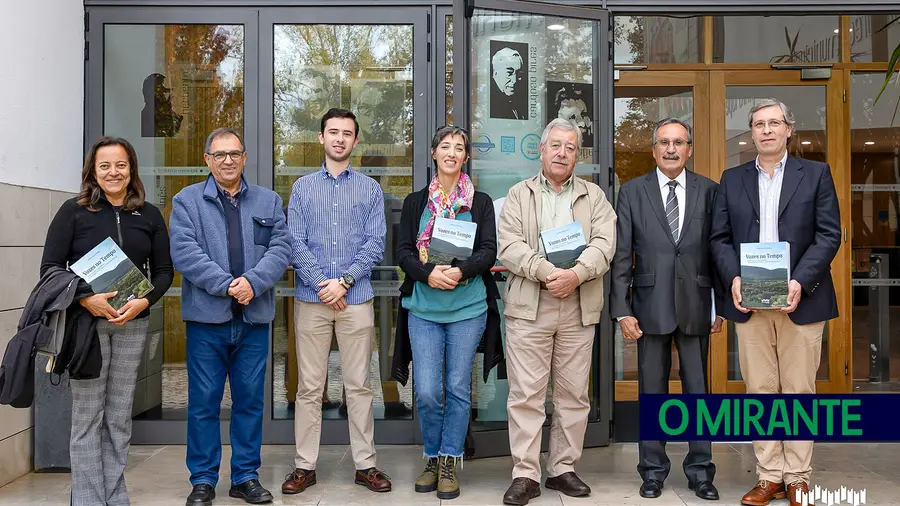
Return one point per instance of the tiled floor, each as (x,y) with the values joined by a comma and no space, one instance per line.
(157,476)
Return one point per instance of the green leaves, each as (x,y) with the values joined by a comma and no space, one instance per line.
(887,78)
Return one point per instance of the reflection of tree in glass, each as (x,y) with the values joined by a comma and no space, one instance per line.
(315,66)
(201,56)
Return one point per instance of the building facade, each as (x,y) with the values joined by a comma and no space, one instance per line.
(164,74)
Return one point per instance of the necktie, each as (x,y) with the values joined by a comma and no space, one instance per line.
(672,209)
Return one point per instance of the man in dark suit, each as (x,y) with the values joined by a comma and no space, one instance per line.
(775,198)
(662,256)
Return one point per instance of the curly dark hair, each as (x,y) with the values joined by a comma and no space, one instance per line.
(91,192)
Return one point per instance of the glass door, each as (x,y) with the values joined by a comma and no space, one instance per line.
(817,101)
(519,65)
(373,61)
(642,98)
(164,79)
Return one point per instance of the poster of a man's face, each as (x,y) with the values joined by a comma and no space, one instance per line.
(574,102)
(509,80)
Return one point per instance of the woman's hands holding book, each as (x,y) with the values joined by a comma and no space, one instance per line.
(441,277)
(131,309)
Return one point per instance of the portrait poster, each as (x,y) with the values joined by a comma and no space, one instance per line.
(508,98)
(574,102)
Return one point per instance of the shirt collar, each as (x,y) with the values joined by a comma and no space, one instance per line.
(240,191)
(348,172)
(565,186)
(778,166)
(664,179)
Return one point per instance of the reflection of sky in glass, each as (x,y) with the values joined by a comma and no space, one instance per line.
(233,64)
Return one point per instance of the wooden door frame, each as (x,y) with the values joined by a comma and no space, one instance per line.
(698,81)
(838,157)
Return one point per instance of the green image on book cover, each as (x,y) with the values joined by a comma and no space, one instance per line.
(451,240)
(765,272)
(107,269)
(563,245)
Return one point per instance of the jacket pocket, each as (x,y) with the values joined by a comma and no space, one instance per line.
(704,281)
(644,280)
(262,230)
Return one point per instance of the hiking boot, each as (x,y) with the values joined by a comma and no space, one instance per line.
(448,485)
(428,480)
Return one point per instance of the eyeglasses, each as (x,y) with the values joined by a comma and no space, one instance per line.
(773,124)
(219,156)
(679,143)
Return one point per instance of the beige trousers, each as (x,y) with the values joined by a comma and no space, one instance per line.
(315,324)
(779,356)
(554,344)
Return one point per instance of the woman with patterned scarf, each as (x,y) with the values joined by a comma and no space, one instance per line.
(448,304)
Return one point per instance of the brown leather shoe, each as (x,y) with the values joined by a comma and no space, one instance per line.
(298,481)
(569,484)
(521,491)
(374,480)
(763,492)
(793,488)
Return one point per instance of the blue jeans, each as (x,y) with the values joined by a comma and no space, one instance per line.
(440,347)
(239,351)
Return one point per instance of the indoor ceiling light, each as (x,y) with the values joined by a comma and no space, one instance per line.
(742,143)
(836,30)
(870,143)
(556,26)
(806,143)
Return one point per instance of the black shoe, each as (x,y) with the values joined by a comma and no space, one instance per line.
(569,484)
(521,491)
(705,490)
(651,489)
(251,491)
(202,495)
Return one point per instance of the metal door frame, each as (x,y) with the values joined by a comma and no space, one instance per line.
(489,443)
(336,431)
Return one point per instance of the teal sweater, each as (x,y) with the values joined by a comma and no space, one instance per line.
(447,306)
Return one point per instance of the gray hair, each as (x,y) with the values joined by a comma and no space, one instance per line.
(674,121)
(222,132)
(562,124)
(769,102)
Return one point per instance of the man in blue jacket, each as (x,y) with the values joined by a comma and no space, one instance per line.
(231,244)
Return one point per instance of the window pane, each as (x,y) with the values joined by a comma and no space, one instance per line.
(367,69)
(166,87)
(873,38)
(637,110)
(775,39)
(448,74)
(658,39)
(874,143)
(527,70)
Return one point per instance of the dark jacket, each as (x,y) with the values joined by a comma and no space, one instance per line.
(809,218)
(57,291)
(141,234)
(480,263)
(663,283)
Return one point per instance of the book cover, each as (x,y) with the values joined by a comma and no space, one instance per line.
(451,239)
(563,245)
(765,272)
(107,269)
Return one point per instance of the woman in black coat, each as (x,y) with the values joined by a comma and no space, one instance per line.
(447,246)
(111,205)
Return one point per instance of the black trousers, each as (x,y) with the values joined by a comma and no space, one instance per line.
(654,362)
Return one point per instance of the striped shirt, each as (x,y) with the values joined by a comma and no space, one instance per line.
(337,227)
(769,199)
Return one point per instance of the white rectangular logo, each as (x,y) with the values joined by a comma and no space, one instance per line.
(828,497)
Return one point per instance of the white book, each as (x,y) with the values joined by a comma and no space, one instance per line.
(563,245)
(451,240)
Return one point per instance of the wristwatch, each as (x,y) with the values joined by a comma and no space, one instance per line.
(346,281)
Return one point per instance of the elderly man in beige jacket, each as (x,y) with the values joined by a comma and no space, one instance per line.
(551,312)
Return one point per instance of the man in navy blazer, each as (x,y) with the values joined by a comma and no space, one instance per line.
(778,198)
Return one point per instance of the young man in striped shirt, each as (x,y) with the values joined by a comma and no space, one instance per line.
(337,224)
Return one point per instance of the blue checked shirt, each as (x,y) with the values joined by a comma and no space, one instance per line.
(337,227)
